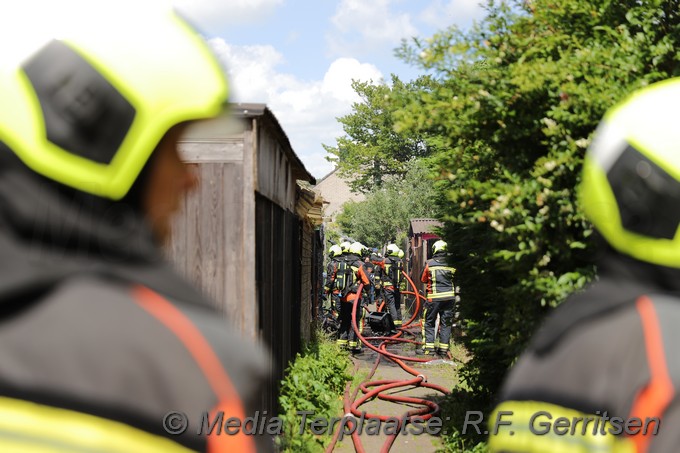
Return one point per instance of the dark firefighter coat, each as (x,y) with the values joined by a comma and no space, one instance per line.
(606,357)
(335,274)
(356,275)
(102,346)
(438,276)
(390,270)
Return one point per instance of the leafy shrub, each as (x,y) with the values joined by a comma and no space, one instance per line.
(314,381)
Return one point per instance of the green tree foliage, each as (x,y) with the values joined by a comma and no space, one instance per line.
(510,108)
(372,152)
(385,213)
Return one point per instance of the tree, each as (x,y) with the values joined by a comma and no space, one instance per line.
(508,112)
(372,151)
(384,215)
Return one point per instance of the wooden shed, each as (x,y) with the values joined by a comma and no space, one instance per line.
(247,235)
(421,236)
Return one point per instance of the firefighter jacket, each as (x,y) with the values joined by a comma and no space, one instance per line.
(356,274)
(606,365)
(103,347)
(391,268)
(335,274)
(377,273)
(438,276)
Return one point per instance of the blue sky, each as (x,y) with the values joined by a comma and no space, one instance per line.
(300,56)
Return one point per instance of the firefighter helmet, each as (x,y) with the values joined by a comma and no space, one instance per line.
(356,248)
(439,246)
(88,95)
(345,245)
(334,251)
(630,186)
(392,250)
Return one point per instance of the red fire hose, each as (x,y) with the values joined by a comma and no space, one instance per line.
(379,389)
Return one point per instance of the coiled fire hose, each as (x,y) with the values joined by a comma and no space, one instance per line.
(379,389)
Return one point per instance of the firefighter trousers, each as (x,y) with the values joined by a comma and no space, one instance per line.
(347,338)
(393,303)
(444,309)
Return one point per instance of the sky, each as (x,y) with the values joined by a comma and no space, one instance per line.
(300,56)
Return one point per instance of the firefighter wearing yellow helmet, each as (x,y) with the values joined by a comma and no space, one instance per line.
(441,295)
(103,346)
(390,269)
(608,356)
(335,278)
(355,275)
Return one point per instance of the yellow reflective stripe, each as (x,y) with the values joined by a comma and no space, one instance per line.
(33,428)
(422,324)
(441,295)
(527,423)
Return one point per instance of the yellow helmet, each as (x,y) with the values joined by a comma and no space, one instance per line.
(345,245)
(334,251)
(630,188)
(356,248)
(88,95)
(392,250)
(439,246)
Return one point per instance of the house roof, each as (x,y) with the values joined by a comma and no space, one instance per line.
(336,192)
(421,226)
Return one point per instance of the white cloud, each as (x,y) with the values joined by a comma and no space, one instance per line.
(307,110)
(368,25)
(441,14)
(213,15)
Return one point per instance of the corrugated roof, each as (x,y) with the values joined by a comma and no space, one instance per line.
(420,226)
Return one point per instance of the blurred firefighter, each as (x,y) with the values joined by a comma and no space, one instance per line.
(379,298)
(608,356)
(335,276)
(391,270)
(441,296)
(103,346)
(355,275)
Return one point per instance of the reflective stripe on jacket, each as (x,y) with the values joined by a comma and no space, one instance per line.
(606,365)
(439,278)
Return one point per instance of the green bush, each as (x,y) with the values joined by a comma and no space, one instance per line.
(314,381)
(509,111)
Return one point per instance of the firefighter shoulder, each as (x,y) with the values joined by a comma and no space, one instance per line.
(602,372)
(334,254)
(103,346)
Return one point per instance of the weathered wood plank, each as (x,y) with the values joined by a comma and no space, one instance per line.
(248,296)
(210,229)
(232,248)
(197,152)
(194,255)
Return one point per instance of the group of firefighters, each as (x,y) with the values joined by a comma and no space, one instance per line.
(352,264)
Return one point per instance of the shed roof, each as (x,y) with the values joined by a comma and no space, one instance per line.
(420,226)
(257,110)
